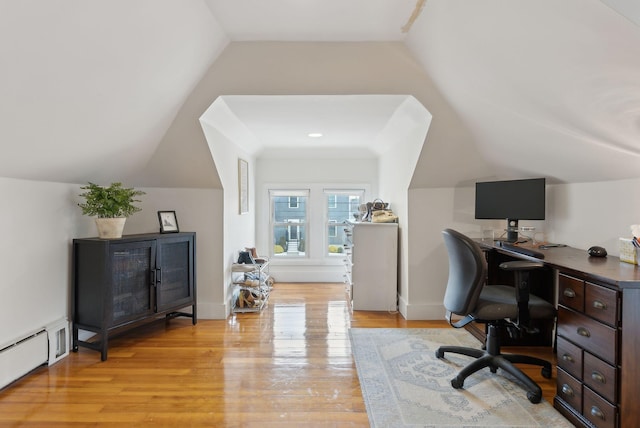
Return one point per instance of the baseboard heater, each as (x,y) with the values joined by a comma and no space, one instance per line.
(44,346)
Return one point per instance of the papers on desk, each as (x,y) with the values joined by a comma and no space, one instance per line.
(628,250)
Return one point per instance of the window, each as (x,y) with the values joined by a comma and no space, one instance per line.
(333,230)
(340,207)
(289,222)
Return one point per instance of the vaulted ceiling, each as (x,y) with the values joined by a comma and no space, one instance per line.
(100,90)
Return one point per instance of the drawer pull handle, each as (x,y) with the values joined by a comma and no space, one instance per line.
(569,293)
(598,377)
(599,305)
(568,358)
(584,332)
(566,390)
(597,413)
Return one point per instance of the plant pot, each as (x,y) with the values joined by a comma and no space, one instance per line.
(110,228)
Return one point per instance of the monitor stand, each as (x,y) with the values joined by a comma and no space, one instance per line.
(512,230)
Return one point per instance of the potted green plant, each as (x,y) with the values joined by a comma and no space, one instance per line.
(111,205)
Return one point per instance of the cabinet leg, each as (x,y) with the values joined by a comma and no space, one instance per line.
(104,346)
(74,343)
(194,317)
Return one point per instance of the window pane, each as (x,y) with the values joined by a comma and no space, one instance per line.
(337,240)
(290,240)
(333,230)
(342,205)
(289,218)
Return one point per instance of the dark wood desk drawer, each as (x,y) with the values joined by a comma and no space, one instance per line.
(571,292)
(569,357)
(591,335)
(601,377)
(598,411)
(569,389)
(601,303)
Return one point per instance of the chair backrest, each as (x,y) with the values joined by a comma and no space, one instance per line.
(467,272)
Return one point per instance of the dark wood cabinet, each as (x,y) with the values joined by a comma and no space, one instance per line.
(122,283)
(598,327)
(589,358)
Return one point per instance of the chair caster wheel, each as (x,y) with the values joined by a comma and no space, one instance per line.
(493,369)
(546,372)
(457,383)
(534,397)
(439,353)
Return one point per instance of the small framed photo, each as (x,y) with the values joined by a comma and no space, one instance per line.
(168,222)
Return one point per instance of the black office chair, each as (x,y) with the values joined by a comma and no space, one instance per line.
(498,306)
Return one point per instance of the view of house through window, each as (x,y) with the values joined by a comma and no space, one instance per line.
(289,222)
(341,205)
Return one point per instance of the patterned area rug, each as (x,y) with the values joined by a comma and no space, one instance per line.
(405,385)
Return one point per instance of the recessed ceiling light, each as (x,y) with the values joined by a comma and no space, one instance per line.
(315,134)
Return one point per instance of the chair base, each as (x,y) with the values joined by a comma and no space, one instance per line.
(494,360)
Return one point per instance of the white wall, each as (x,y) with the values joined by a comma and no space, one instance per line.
(585,214)
(316,175)
(579,215)
(404,138)
(199,211)
(39,220)
(238,230)
(431,211)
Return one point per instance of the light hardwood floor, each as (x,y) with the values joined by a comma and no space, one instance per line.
(289,365)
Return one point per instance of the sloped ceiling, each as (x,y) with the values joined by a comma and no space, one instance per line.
(90,90)
(545,88)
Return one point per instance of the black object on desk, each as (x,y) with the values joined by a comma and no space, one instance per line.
(597,251)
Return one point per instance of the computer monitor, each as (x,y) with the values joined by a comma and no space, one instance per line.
(512,200)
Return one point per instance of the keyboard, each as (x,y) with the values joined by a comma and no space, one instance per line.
(522,250)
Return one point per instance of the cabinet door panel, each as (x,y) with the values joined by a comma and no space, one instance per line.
(131,266)
(174,273)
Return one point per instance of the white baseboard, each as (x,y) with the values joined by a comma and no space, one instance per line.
(212,311)
(307,273)
(421,311)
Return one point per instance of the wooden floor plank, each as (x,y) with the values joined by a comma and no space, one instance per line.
(289,365)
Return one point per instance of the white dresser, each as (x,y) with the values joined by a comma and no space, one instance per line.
(371,265)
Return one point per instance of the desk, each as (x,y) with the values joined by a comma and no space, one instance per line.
(598,328)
